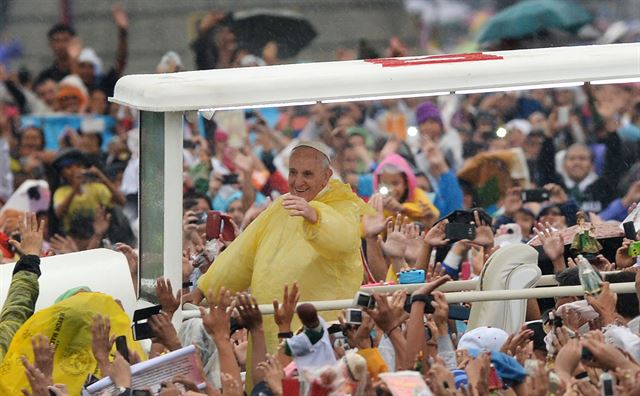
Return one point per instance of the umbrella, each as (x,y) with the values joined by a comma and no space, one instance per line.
(531,16)
(255,28)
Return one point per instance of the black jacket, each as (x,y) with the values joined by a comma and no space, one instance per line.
(603,190)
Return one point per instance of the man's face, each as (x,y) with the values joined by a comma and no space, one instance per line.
(307,175)
(86,72)
(47,91)
(577,163)
(59,43)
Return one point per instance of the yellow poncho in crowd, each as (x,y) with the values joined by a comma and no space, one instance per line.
(324,258)
(67,324)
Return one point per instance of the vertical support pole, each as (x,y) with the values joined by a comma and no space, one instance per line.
(172,254)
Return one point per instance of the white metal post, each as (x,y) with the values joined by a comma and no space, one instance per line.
(172,255)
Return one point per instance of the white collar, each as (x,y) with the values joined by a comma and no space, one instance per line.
(583,184)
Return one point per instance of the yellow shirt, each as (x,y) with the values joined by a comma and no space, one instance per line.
(93,196)
(413,209)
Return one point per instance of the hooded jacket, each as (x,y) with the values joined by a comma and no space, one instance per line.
(416,197)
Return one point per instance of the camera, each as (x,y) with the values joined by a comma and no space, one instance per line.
(201,218)
(353,316)
(459,231)
(384,190)
(141,328)
(231,178)
(364,300)
(411,276)
(535,195)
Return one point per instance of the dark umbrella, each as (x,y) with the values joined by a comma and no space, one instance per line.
(532,16)
(255,28)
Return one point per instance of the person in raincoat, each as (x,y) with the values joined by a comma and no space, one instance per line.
(394,179)
(310,235)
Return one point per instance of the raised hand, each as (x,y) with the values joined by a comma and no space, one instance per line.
(249,312)
(102,342)
(375,224)
(604,303)
(436,236)
(37,380)
(283,314)
(168,301)
(484,232)
(395,245)
(63,244)
(298,206)
(32,236)
(164,331)
(43,352)
(120,17)
(552,241)
(623,260)
(414,243)
(516,340)
(384,315)
(217,320)
(273,374)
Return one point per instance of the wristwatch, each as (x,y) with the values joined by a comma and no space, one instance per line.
(124,391)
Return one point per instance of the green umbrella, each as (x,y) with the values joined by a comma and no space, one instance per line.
(531,16)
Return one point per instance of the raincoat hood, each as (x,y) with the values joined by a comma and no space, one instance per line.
(402,164)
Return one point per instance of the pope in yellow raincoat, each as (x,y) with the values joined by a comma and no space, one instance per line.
(310,235)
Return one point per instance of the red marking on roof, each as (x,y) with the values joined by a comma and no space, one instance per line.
(433,59)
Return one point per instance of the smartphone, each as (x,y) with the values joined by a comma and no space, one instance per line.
(214,223)
(364,300)
(535,195)
(459,231)
(629,230)
(140,327)
(427,333)
(231,178)
(585,354)
(563,115)
(459,312)
(353,316)
(121,347)
(606,384)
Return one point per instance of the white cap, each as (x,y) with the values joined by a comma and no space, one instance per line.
(488,339)
(523,126)
(316,145)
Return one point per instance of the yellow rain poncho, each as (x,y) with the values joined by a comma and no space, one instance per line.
(68,326)
(324,258)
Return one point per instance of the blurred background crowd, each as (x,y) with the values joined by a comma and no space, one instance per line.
(72,157)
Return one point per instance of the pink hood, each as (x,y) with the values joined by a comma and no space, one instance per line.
(402,164)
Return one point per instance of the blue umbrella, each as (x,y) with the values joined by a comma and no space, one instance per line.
(529,17)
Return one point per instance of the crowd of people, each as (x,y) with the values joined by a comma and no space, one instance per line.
(316,201)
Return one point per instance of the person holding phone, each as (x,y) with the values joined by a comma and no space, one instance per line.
(310,235)
(394,179)
(83,189)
